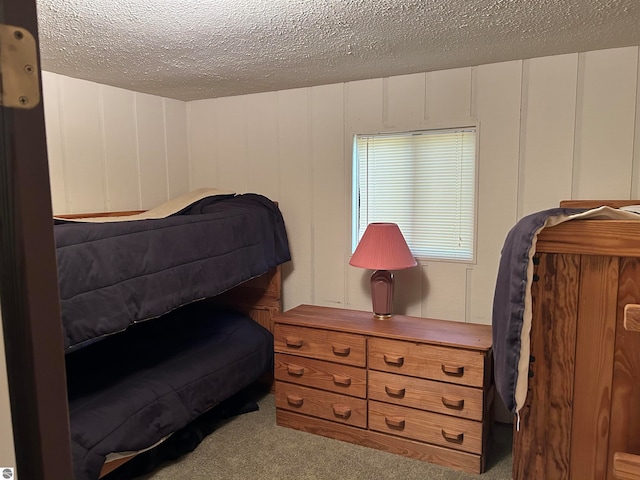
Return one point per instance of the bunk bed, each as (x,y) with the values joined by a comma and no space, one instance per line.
(565,365)
(166,314)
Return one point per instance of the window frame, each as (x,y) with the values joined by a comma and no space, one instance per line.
(422,259)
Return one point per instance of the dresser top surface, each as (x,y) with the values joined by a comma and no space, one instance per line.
(437,332)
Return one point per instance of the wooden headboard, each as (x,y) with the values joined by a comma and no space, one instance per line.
(593,237)
(72,216)
(597,203)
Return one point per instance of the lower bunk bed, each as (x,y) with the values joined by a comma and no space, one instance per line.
(133,390)
(166,319)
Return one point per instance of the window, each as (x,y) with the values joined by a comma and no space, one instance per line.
(423,181)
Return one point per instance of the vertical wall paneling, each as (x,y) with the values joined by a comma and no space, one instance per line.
(410,291)
(497,104)
(80,115)
(296,193)
(443,291)
(330,234)
(112,149)
(203,161)
(231,143)
(605,123)
(546,137)
(448,104)
(262,144)
(403,110)
(121,149)
(364,106)
(448,98)
(152,152)
(363,114)
(635,180)
(404,98)
(176,136)
(468,282)
(55,148)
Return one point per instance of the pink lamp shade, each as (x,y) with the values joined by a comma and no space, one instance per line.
(382,248)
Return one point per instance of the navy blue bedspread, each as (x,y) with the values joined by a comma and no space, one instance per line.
(131,390)
(112,275)
(509,300)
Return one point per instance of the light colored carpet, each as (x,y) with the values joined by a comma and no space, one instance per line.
(252,447)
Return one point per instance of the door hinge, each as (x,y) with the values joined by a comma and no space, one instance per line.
(19,86)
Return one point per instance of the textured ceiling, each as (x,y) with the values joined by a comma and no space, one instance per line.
(193,49)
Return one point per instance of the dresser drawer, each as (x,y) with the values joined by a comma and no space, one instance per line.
(439,397)
(320,374)
(464,367)
(317,403)
(451,432)
(320,344)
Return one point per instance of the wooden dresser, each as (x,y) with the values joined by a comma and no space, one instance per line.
(583,403)
(417,387)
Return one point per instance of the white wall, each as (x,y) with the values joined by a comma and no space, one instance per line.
(112,149)
(550,129)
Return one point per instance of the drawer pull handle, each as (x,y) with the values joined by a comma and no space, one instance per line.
(295,370)
(393,360)
(394,392)
(342,380)
(452,437)
(452,371)
(457,404)
(294,342)
(341,351)
(396,423)
(342,411)
(295,401)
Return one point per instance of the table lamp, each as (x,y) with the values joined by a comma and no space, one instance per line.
(382,248)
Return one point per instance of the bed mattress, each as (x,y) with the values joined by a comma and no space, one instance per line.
(131,390)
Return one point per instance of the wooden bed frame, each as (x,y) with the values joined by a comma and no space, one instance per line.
(584,386)
(259,298)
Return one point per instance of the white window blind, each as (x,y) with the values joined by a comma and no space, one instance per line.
(423,181)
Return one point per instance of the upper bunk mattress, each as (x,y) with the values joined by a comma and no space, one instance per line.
(114,274)
(133,389)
